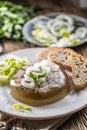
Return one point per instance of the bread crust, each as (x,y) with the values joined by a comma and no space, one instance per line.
(55,51)
(79,85)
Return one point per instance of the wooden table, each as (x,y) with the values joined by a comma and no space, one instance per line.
(79,120)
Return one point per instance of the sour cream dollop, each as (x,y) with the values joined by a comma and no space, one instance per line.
(46,66)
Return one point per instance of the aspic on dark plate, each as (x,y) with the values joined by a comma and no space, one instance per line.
(28,27)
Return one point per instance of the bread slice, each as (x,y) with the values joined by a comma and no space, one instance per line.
(61,56)
(70,60)
(44,53)
(79,71)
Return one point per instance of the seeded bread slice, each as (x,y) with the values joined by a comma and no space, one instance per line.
(61,56)
(44,53)
(79,71)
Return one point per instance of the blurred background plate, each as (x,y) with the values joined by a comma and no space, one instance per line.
(28,26)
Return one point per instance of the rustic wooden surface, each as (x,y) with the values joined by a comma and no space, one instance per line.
(78,121)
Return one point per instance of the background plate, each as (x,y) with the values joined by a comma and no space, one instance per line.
(68,105)
(27,28)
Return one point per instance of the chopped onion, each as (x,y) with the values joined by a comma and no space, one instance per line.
(72,36)
(65,18)
(81,32)
(57,26)
(50,23)
(62,42)
(60,27)
(54,32)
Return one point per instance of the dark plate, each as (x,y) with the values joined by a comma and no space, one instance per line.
(28,26)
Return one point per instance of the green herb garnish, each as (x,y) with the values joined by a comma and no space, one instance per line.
(33,76)
(37,77)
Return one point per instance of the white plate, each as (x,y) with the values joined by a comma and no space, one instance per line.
(68,105)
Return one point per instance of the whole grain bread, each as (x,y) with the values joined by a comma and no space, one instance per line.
(71,61)
(61,56)
(79,71)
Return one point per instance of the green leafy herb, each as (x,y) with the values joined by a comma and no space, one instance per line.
(41,75)
(33,76)
(37,77)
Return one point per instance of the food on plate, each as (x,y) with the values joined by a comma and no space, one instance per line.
(40,83)
(61,31)
(57,55)
(79,71)
(81,32)
(65,18)
(67,42)
(46,81)
(61,56)
(9,66)
(42,35)
(21,107)
(70,60)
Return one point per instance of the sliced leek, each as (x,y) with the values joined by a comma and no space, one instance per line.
(20,106)
(9,66)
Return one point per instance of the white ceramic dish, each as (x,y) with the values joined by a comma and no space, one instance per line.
(71,103)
